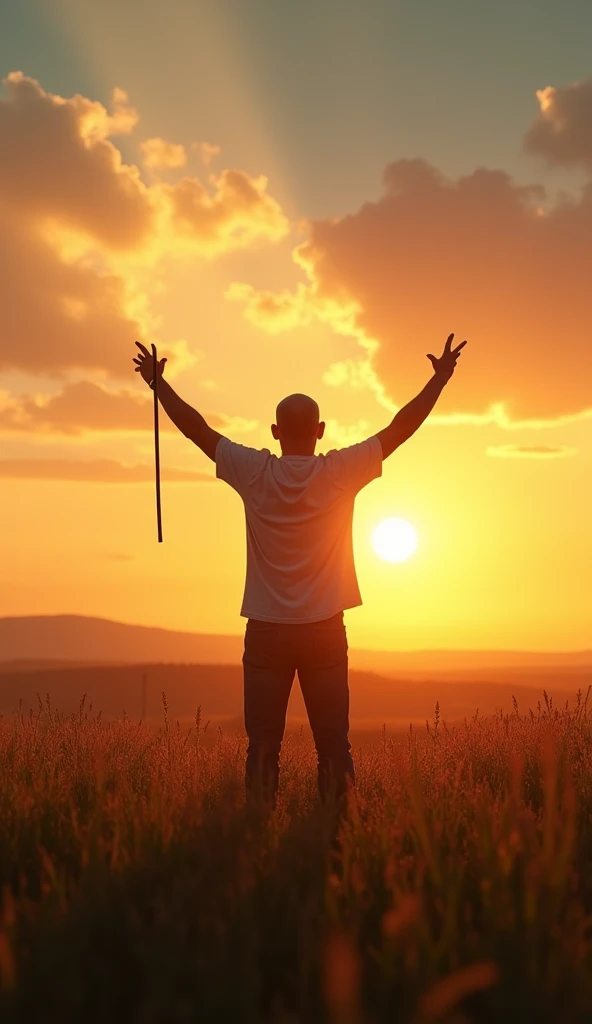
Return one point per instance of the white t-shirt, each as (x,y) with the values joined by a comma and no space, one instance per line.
(299,511)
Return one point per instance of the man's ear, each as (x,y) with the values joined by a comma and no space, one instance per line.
(321,430)
(274,431)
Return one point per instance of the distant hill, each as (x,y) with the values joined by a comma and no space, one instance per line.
(218,690)
(88,640)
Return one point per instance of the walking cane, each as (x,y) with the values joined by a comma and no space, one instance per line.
(156,448)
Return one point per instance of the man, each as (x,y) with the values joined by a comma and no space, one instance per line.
(300,566)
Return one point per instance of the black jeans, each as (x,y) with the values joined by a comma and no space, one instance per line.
(318,652)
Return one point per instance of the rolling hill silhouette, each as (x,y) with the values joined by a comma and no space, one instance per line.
(137,690)
(125,668)
(87,639)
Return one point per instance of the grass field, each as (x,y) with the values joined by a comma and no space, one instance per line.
(137,887)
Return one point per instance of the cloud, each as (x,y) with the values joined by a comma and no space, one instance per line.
(274,313)
(342,435)
(81,406)
(76,223)
(85,406)
(480,256)
(60,317)
(124,117)
(95,471)
(237,213)
(230,424)
(59,172)
(356,373)
(541,451)
(206,152)
(562,131)
(58,163)
(159,154)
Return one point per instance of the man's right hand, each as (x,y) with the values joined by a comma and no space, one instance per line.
(444,366)
(146,364)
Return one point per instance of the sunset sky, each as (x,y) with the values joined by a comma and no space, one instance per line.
(299,196)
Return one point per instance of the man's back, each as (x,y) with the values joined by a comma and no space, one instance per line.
(300,567)
(299,510)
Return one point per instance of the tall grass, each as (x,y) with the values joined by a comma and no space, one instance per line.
(137,887)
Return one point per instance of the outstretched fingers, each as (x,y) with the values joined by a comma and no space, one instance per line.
(453,351)
(143,349)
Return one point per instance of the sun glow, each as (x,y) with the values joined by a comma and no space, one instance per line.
(394,540)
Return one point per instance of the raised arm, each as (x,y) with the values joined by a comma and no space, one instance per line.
(189,421)
(412,415)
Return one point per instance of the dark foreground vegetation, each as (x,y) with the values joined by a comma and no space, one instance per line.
(137,887)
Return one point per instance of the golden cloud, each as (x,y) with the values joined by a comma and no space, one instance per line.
(342,435)
(159,154)
(271,312)
(58,163)
(75,219)
(95,471)
(237,213)
(540,451)
(206,152)
(562,132)
(473,256)
(85,406)
(81,406)
(59,317)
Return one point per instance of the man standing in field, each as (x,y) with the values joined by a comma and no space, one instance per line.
(300,566)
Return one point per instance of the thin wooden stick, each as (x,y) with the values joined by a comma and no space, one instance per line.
(156,447)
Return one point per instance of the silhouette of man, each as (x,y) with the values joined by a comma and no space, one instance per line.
(300,566)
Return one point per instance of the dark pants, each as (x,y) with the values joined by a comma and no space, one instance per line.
(273,653)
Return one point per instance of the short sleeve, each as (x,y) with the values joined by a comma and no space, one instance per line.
(239,465)
(357,465)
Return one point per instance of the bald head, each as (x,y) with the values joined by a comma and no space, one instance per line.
(298,424)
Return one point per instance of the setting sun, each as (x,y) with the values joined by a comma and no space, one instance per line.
(394,540)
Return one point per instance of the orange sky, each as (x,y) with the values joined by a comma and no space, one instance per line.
(110,233)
